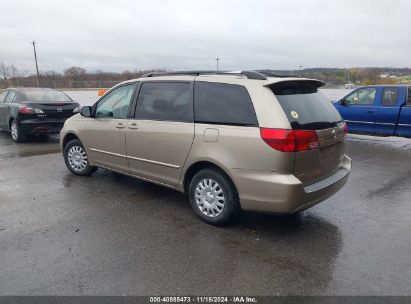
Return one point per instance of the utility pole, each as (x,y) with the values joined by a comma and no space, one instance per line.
(301,68)
(35,58)
(217,61)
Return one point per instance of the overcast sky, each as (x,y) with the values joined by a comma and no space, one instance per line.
(173,34)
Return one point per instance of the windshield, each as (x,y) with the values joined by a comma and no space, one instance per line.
(46,96)
(306,107)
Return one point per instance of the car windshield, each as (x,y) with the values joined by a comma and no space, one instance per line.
(45,96)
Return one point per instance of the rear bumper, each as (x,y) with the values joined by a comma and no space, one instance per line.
(40,126)
(284,193)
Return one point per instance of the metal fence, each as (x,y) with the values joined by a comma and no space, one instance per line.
(58,84)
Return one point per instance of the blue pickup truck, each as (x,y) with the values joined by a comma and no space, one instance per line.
(382,109)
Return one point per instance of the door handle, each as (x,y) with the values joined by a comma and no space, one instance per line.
(120,126)
(133,126)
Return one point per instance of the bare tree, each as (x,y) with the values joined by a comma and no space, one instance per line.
(75,73)
(127,74)
(4,72)
(51,77)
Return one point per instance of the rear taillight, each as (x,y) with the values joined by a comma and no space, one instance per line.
(26,110)
(290,140)
(345,126)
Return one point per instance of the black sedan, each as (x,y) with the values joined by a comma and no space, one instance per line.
(37,111)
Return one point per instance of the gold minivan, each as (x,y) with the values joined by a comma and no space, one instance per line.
(229,140)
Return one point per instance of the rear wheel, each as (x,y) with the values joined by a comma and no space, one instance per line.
(213,197)
(15,132)
(75,157)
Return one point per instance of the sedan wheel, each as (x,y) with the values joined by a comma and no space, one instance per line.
(15,132)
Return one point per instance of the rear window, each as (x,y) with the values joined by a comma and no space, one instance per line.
(44,96)
(226,104)
(306,107)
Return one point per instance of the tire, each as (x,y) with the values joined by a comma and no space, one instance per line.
(213,197)
(15,132)
(75,157)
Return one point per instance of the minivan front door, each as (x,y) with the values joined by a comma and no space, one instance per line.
(105,134)
(159,137)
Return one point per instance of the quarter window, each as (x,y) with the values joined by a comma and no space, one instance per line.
(364,96)
(389,97)
(167,101)
(3,96)
(116,103)
(227,104)
(11,97)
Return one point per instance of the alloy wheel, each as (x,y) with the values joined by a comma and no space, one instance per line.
(14,130)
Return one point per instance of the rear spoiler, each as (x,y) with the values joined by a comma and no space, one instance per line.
(295,82)
(294,86)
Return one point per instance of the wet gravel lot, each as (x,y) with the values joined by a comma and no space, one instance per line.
(114,235)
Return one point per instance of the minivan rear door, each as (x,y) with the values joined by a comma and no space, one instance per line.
(161,132)
(308,109)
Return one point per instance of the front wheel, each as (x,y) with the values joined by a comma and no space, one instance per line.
(213,197)
(75,157)
(15,132)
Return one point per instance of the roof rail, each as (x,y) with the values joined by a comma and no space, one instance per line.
(248,74)
(271,74)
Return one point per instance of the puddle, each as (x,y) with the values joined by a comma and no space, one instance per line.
(28,153)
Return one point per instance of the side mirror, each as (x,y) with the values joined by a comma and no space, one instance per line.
(85,111)
(343,102)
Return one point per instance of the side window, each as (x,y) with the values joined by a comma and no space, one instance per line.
(11,97)
(363,96)
(116,103)
(3,96)
(409,97)
(226,104)
(169,101)
(389,97)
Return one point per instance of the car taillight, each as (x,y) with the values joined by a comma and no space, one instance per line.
(26,110)
(290,140)
(345,126)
